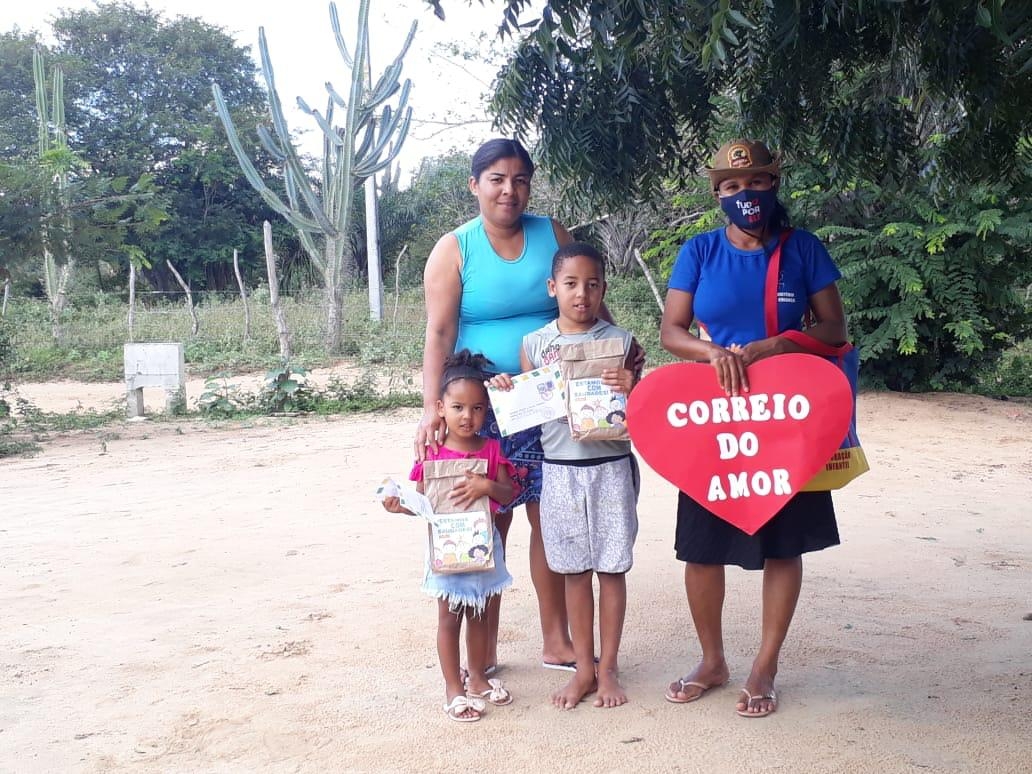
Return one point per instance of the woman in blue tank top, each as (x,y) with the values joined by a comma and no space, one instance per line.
(485,289)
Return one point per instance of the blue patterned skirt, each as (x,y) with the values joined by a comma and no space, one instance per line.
(523,450)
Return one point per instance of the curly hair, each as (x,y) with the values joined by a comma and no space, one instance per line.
(465,365)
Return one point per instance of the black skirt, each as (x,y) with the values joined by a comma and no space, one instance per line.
(806,523)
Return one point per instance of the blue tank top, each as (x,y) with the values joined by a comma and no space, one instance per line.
(502,301)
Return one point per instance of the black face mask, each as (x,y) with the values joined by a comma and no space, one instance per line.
(750,210)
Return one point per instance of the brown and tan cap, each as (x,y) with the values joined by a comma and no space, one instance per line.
(742,157)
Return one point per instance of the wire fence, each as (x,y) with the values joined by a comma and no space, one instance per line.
(95,327)
(101,323)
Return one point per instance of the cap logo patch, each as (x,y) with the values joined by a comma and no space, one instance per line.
(738,156)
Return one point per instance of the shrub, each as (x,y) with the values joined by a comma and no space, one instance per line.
(286,390)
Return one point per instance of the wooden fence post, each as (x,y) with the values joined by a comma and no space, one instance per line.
(274,299)
(243,295)
(132,299)
(189,298)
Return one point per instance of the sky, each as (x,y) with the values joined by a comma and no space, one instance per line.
(304,56)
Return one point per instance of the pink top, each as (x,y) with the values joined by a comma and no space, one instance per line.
(490,451)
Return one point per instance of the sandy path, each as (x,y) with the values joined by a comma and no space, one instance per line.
(201,597)
(68,396)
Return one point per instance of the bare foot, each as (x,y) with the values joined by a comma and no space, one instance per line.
(693,685)
(610,692)
(571,694)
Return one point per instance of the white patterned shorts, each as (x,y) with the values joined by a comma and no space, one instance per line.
(589,515)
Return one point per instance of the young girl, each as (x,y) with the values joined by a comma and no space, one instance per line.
(462,405)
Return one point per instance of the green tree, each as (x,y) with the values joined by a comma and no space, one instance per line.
(907,122)
(21,183)
(67,188)
(17,105)
(436,201)
(60,166)
(623,95)
(934,280)
(140,104)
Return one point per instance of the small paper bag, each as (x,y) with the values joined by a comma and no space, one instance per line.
(462,540)
(595,412)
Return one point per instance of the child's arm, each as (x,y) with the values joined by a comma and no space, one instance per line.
(525,364)
(393,504)
(502,490)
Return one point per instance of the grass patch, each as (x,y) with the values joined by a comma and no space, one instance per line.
(1012,377)
(286,390)
(95,331)
(23,425)
(13,445)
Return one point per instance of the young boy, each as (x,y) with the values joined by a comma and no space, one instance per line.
(589,490)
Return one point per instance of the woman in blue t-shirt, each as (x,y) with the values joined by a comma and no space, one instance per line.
(718,281)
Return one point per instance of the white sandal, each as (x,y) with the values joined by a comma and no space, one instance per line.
(462,703)
(497,694)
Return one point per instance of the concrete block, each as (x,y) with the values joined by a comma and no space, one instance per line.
(155,365)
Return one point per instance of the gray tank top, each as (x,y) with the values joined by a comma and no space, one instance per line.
(542,348)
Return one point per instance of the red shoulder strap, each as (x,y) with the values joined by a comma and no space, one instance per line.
(812,345)
(770,309)
(770,288)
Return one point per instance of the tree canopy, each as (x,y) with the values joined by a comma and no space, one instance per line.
(17,106)
(904,126)
(138,108)
(622,94)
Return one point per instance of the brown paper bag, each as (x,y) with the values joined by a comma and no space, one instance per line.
(594,411)
(463,538)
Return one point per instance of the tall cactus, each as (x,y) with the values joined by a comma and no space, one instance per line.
(361,145)
(57,160)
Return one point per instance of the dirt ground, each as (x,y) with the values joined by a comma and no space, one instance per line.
(228,597)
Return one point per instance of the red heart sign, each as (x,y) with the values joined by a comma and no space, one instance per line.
(742,458)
